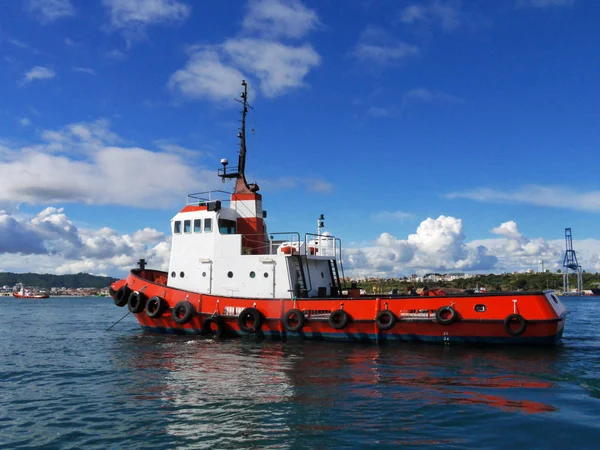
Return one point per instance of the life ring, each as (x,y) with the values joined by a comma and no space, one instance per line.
(183,312)
(338,319)
(249,320)
(155,307)
(207,327)
(385,319)
(122,296)
(442,318)
(137,302)
(293,320)
(515,318)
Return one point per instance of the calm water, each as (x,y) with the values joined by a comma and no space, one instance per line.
(65,382)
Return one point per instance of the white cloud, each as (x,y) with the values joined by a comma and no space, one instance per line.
(206,76)
(215,71)
(134,15)
(83,163)
(274,18)
(25,122)
(293,182)
(551,196)
(86,70)
(38,73)
(47,11)
(377,46)
(437,245)
(544,3)
(279,67)
(60,247)
(447,14)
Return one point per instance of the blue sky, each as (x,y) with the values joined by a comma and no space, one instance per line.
(434,135)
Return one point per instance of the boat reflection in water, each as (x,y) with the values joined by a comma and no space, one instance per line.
(243,392)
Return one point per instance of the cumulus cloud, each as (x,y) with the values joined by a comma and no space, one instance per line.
(438,245)
(60,247)
(47,11)
(517,252)
(377,46)
(86,162)
(215,71)
(38,73)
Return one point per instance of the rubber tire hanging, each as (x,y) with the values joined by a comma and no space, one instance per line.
(338,319)
(155,307)
(183,312)
(249,314)
(298,317)
(515,318)
(446,320)
(137,302)
(207,327)
(385,320)
(122,296)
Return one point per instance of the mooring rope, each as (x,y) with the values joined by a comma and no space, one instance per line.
(108,329)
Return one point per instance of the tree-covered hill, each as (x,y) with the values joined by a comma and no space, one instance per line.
(47,280)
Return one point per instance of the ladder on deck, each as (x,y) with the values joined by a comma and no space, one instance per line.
(336,288)
(300,278)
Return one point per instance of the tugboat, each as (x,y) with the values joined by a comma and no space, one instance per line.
(20,291)
(228,276)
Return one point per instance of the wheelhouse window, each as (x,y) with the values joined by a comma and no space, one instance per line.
(197,225)
(187,226)
(226,226)
(177,226)
(207,225)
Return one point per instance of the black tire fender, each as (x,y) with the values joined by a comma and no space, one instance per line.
(122,296)
(442,319)
(137,302)
(207,327)
(155,307)
(515,318)
(183,312)
(338,319)
(293,320)
(385,319)
(251,315)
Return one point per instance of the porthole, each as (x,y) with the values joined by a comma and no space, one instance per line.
(204,274)
(173,274)
(266,274)
(252,274)
(181,274)
(480,308)
(230,274)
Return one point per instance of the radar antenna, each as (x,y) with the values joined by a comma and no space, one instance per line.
(239,172)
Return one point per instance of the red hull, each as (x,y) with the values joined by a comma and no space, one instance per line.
(476,318)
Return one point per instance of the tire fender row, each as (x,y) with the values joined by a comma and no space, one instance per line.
(250,320)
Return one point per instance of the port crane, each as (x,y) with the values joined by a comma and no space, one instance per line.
(570,264)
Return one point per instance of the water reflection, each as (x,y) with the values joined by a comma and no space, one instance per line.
(246,392)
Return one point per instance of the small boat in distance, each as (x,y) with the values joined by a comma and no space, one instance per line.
(229,276)
(20,291)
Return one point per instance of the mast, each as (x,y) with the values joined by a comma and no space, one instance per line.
(239,172)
